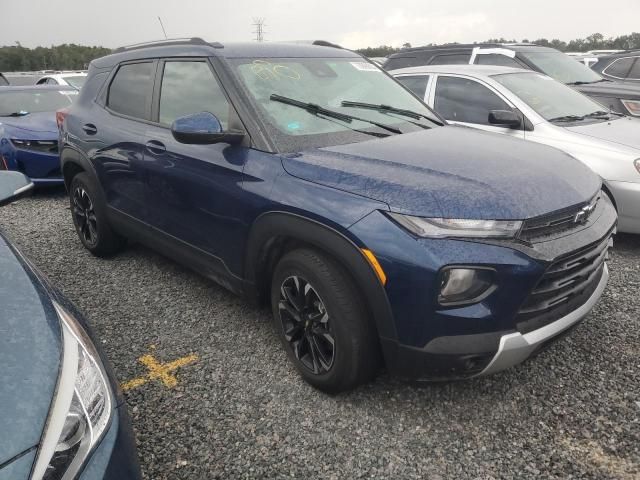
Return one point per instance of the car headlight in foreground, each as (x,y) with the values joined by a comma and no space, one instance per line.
(448,227)
(81,409)
(633,106)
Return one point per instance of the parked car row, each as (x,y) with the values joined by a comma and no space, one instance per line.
(304,177)
(73,79)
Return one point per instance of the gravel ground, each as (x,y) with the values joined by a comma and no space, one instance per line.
(240,411)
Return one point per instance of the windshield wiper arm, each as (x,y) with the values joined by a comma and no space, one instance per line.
(389,109)
(314,109)
(567,118)
(598,114)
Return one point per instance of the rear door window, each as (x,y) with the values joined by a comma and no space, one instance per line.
(620,68)
(465,100)
(416,83)
(634,74)
(457,59)
(190,87)
(131,90)
(497,59)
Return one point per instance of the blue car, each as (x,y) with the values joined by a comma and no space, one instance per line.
(306,178)
(28,131)
(63,415)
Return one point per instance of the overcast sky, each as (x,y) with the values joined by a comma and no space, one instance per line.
(112,23)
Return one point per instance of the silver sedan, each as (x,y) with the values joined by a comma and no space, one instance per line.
(534,107)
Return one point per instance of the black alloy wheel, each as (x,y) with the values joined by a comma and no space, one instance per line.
(85,216)
(306,325)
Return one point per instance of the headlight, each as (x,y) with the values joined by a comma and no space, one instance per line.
(81,409)
(633,106)
(448,227)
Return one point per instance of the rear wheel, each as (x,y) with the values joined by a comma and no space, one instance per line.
(89,218)
(322,322)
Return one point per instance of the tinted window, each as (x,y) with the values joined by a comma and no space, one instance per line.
(131,89)
(76,81)
(497,59)
(634,74)
(417,84)
(190,87)
(620,68)
(461,59)
(463,100)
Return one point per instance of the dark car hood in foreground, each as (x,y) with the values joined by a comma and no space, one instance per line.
(30,348)
(615,89)
(34,122)
(452,172)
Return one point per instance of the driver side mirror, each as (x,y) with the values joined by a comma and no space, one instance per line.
(505,118)
(203,128)
(13,185)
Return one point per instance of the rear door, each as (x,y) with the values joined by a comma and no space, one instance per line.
(115,134)
(194,192)
(466,101)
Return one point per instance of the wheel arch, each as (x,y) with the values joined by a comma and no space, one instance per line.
(73,162)
(275,233)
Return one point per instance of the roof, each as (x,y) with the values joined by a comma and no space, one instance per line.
(474,70)
(517,47)
(200,48)
(36,88)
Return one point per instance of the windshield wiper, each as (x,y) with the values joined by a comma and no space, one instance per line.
(388,109)
(567,118)
(21,113)
(316,110)
(600,114)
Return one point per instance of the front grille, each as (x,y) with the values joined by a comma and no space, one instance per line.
(46,146)
(558,222)
(566,285)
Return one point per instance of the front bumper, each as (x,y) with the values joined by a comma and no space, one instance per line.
(515,347)
(627,197)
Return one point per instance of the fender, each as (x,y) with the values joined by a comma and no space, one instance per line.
(70,155)
(270,228)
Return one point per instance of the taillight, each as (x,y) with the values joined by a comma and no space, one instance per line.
(60,116)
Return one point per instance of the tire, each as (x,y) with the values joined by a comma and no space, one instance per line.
(88,212)
(325,332)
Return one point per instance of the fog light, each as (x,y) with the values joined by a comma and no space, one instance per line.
(465,285)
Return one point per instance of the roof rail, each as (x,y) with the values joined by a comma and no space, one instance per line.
(324,43)
(170,41)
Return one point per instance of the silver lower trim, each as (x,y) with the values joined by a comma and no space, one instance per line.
(515,347)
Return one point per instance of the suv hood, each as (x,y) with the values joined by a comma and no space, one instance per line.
(33,122)
(609,88)
(30,349)
(452,172)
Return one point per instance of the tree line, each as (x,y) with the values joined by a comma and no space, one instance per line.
(61,57)
(596,41)
(77,57)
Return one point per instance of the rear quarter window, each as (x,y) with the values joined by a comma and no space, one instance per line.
(619,68)
(131,90)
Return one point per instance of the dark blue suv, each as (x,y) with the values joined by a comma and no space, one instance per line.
(305,177)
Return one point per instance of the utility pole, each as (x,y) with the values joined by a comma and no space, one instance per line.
(259,31)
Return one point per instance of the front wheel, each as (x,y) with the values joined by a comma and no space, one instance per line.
(90,219)
(322,322)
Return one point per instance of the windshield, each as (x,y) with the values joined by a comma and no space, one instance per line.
(550,99)
(327,82)
(23,102)
(76,81)
(562,67)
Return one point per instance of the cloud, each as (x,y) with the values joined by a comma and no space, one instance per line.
(399,27)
